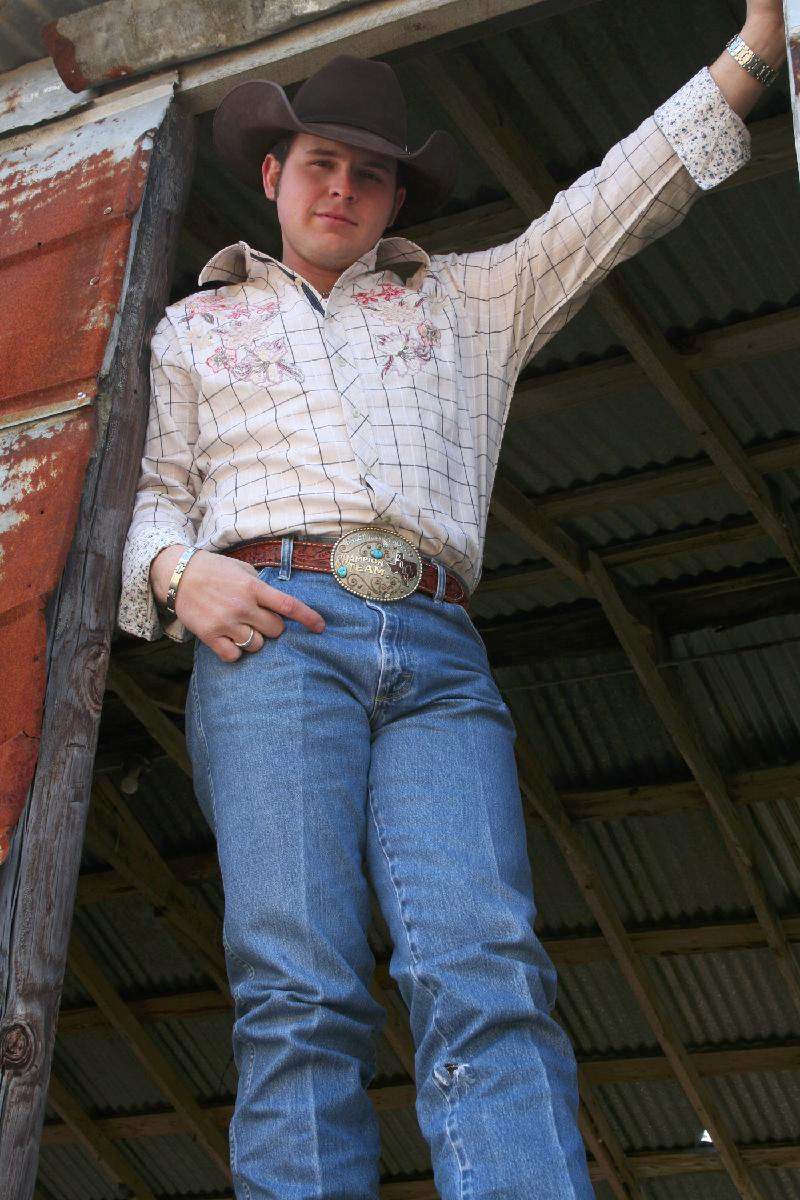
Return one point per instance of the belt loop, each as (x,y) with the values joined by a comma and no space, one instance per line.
(441,583)
(287,545)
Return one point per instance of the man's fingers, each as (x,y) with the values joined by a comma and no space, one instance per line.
(289,606)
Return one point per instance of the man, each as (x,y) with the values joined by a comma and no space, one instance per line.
(323,437)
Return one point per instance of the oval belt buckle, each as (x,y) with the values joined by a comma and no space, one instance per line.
(376,564)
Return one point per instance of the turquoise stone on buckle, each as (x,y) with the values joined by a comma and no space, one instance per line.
(376,564)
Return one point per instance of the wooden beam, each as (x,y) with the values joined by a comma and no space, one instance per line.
(733,345)
(711,535)
(121,841)
(729,599)
(401,1096)
(604,1146)
(542,796)
(663,692)
(160,728)
(780,454)
(158,1067)
(95,1141)
(37,882)
(367,30)
(461,90)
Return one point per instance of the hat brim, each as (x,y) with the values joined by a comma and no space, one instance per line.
(257,114)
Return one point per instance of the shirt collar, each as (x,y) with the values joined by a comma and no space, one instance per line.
(240,263)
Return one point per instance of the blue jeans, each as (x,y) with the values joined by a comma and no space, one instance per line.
(380,745)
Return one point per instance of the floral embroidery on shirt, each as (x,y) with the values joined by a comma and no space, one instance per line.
(260,362)
(412,342)
(212,308)
(406,350)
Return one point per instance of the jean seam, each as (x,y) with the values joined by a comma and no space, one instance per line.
(450,1125)
(198,720)
(232,1145)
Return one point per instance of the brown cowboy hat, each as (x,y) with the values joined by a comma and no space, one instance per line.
(352,100)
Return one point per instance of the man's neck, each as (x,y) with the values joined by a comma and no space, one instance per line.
(320,278)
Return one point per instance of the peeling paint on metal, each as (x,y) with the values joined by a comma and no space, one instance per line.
(35,93)
(68,206)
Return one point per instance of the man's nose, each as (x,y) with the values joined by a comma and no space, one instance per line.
(343,186)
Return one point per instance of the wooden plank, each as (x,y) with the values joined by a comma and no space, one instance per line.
(96,1142)
(154,1061)
(37,884)
(160,728)
(604,1146)
(120,840)
(730,599)
(746,341)
(780,454)
(370,30)
(542,796)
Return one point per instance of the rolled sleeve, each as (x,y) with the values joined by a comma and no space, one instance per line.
(166,510)
(710,139)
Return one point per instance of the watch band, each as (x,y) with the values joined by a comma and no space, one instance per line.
(177,575)
(750,61)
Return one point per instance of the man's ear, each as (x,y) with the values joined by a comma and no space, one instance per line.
(399,199)
(270,174)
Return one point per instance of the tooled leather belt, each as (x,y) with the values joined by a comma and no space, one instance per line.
(370,562)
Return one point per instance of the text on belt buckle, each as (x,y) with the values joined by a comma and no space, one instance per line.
(376,564)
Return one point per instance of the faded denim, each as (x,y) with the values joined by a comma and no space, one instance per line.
(381,745)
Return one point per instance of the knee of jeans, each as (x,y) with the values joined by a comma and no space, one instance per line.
(451,1074)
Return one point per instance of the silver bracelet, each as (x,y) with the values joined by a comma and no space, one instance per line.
(752,63)
(177,575)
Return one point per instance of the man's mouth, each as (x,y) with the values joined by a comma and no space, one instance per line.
(337,217)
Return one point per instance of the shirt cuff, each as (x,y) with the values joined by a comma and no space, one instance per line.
(138,613)
(710,139)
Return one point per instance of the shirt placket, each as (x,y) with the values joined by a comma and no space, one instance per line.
(347,377)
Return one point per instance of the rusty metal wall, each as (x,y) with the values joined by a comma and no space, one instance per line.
(69,195)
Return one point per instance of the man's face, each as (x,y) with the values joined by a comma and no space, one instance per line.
(334,201)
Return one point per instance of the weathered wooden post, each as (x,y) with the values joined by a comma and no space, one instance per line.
(92,204)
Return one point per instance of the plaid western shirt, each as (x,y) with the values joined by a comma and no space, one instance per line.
(274,412)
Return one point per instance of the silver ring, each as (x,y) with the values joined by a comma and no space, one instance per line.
(244,645)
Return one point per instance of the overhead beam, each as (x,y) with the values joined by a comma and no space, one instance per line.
(733,345)
(370,30)
(143,707)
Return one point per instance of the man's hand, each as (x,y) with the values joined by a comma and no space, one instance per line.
(220,598)
(763,32)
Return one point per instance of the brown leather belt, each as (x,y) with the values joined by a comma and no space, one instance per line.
(316,556)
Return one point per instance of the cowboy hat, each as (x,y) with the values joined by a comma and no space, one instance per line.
(353,100)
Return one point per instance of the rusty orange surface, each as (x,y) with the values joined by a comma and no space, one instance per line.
(67,203)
